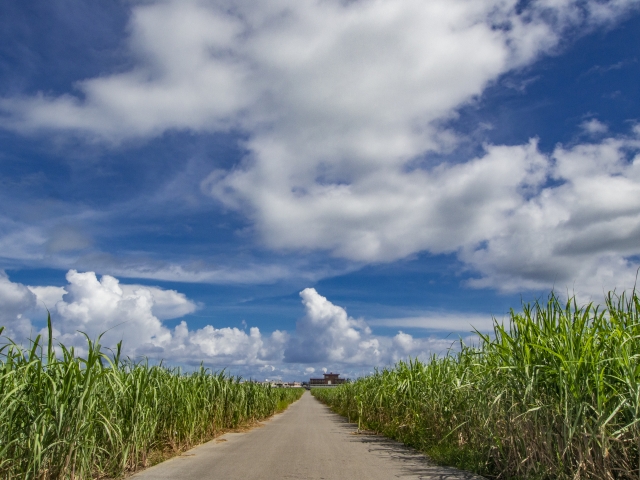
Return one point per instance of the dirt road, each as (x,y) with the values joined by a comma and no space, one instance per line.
(307,441)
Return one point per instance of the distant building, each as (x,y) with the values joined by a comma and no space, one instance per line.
(329,379)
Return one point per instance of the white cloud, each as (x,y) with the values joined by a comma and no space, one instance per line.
(185,80)
(16,301)
(95,306)
(216,274)
(224,346)
(390,213)
(326,334)
(370,75)
(166,303)
(20,241)
(444,322)
(133,314)
(48,296)
(581,232)
(340,101)
(594,127)
(520,218)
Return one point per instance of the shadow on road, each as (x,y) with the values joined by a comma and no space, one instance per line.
(412,462)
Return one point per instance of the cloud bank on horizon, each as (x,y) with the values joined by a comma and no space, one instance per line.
(134,314)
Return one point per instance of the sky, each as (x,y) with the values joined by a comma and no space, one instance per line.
(286,187)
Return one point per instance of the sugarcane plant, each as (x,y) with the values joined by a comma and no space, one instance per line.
(552,393)
(69,416)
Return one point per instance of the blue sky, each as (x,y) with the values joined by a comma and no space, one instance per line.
(284,186)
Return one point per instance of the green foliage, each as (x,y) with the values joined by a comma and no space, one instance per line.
(96,415)
(553,395)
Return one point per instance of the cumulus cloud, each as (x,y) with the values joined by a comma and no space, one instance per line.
(390,213)
(340,102)
(594,127)
(133,314)
(166,303)
(48,296)
(225,346)
(520,218)
(326,334)
(16,301)
(367,74)
(185,80)
(580,230)
(95,306)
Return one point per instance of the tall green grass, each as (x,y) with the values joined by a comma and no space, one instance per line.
(98,415)
(555,394)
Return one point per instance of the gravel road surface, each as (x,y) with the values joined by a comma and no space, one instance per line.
(307,441)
